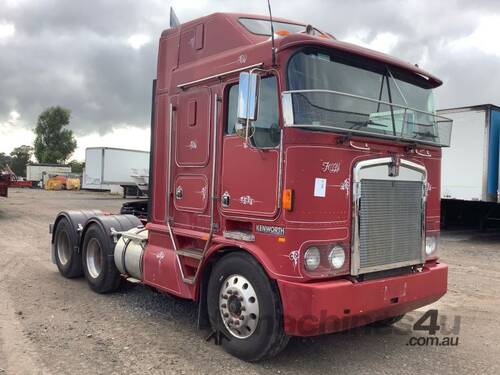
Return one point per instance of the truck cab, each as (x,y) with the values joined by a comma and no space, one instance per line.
(295,185)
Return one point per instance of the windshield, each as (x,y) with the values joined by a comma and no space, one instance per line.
(338,92)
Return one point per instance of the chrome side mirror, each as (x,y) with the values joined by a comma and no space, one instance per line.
(248,97)
(287,107)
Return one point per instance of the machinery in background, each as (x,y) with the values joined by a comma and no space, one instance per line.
(9,179)
(4,184)
(39,173)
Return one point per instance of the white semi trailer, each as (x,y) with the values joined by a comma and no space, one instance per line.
(109,168)
(470,167)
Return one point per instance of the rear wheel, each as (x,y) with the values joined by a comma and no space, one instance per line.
(245,306)
(98,261)
(68,261)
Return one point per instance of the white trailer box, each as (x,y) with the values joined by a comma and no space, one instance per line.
(36,172)
(469,171)
(107,167)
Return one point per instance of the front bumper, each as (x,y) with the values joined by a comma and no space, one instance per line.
(324,307)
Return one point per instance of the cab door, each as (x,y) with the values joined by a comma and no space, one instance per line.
(249,181)
(191,154)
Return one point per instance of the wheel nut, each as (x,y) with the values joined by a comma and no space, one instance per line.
(226,315)
(242,317)
(223,305)
(225,296)
(229,292)
(243,308)
(237,322)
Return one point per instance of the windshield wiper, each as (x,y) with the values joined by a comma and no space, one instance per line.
(364,124)
(424,134)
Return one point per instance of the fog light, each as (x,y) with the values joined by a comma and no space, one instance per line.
(336,257)
(311,258)
(430,245)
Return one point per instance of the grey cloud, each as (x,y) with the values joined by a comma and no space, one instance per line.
(73,53)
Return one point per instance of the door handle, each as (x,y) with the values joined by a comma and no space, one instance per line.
(225,199)
(178,192)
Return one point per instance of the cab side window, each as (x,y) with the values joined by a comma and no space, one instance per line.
(267,131)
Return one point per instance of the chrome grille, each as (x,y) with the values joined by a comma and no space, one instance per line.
(390,224)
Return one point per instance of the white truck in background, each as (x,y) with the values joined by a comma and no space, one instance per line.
(114,169)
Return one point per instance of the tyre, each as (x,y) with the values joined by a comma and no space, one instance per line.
(98,261)
(387,322)
(244,305)
(68,261)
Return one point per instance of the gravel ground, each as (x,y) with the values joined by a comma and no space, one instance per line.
(51,325)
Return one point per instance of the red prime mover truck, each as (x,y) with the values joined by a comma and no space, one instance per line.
(294,186)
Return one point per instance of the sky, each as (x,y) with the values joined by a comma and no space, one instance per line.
(98,57)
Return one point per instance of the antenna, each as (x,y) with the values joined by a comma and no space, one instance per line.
(272,33)
(174,21)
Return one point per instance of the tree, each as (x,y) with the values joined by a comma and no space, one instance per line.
(4,160)
(53,143)
(77,166)
(20,156)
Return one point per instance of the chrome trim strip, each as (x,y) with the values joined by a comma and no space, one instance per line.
(214,163)
(169,177)
(280,170)
(364,98)
(219,75)
(356,196)
(360,132)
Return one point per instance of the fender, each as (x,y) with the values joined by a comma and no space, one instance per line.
(224,247)
(256,251)
(110,224)
(77,220)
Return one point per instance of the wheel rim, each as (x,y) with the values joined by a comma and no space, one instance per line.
(94,258)
(63,248)
(239,306)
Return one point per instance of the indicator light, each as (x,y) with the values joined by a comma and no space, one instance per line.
(287,199)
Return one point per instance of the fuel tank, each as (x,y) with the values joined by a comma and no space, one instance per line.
(129,252)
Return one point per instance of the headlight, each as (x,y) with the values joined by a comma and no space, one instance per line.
(311,258)
(336,257)
(430,245)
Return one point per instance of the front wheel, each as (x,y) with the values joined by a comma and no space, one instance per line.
(245,306)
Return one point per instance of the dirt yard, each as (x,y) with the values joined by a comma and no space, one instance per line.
(51,325)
